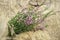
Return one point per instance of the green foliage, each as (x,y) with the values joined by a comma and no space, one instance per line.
(18,23)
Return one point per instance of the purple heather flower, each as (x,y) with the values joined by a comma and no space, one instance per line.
(28,20)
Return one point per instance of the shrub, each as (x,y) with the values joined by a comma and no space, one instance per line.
(26,22)
(23,22)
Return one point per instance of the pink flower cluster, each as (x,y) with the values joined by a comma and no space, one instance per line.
(28,20)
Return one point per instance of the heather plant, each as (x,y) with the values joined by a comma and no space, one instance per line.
(24,22)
